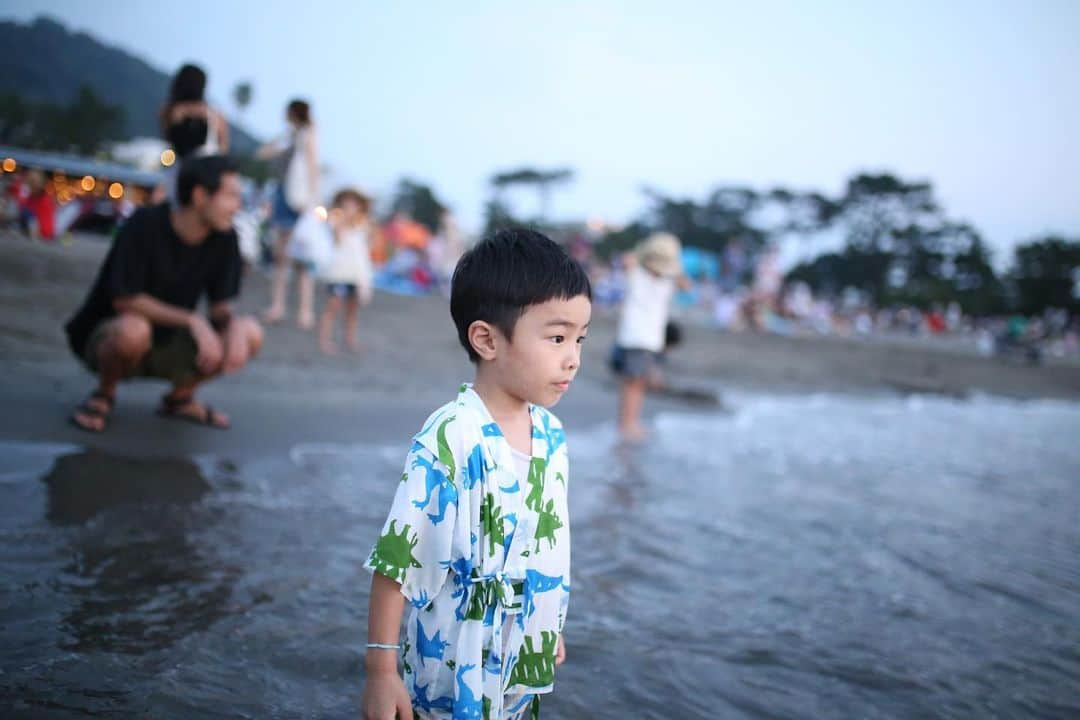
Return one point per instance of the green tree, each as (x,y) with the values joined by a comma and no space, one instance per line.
(1046,274)
(83,126)
(541,180)
(419,202)
(242,94)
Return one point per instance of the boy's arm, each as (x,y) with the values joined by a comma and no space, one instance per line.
(385,697)
(384,622)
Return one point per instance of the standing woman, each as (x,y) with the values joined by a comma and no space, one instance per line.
(297,158)
(189,124)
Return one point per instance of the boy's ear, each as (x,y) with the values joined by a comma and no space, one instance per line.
(482,339)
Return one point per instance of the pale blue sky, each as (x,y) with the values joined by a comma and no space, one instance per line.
(979,97)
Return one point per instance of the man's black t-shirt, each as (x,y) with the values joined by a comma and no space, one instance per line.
(147,257)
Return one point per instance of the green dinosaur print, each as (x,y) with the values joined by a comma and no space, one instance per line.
(535,499)
(392,555)
(445,454)
(546,525)
(491,522)
(487,708)
(536,668)
(561,479)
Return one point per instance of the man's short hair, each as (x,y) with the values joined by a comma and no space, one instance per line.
(507,272)
(203,171)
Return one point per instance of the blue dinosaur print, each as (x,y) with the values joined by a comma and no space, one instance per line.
(493,666)
(475,468)
(536,583)
(516,487)
(525,700)
(461,571)
(426,647)
(491,430)
(435,478)
(421,601)
(421,699)
(552,437)
(509,536)
(467,706)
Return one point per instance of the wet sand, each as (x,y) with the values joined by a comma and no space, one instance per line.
(410,364)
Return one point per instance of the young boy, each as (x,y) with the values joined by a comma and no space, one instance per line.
(478,537)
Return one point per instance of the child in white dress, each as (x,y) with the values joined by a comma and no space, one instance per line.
(348,275)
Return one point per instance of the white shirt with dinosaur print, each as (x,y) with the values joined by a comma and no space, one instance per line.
(483,559)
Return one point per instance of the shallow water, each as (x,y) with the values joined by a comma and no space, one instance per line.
(798,557)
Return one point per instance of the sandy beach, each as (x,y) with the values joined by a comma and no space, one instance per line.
(877,553)
(411,362)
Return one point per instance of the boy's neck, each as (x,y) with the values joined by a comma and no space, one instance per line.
(502,405)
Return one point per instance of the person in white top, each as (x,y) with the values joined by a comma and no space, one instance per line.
(348,275)
(654,270)
(297,160)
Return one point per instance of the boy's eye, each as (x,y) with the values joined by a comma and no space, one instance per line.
(582,339)
(558,339)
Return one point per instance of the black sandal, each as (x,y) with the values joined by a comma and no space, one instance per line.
(170,410)
(94,412)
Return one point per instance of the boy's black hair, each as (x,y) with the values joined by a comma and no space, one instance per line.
(507,272)
(202,171)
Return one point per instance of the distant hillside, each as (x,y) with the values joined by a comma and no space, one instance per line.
(43,61)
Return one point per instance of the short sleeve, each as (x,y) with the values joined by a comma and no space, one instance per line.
(129,265)
(415,543)
(225,280)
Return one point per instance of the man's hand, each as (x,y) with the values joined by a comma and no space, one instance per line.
(560,652)
(385,697)
(209,358)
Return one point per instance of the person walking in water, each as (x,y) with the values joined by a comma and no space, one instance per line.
(349,276)
(189,124)
(297,157)
(653,271)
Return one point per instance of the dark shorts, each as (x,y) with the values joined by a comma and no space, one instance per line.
(173,359)
(342,290)
(633,363)
(281,215)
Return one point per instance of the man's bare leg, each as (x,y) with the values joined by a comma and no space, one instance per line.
(127,338)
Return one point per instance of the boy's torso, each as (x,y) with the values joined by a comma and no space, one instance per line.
(493,627)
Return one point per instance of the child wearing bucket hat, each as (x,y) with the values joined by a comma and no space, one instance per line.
(654,270)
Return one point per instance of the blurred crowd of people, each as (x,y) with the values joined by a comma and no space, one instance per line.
(339,252)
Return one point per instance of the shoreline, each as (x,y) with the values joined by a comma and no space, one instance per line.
(412,363)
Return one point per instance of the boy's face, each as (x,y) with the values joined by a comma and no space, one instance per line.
(543,357)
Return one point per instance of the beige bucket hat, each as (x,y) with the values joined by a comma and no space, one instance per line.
(661,253)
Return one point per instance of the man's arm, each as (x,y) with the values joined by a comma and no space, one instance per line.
(157,312)
(221,315)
